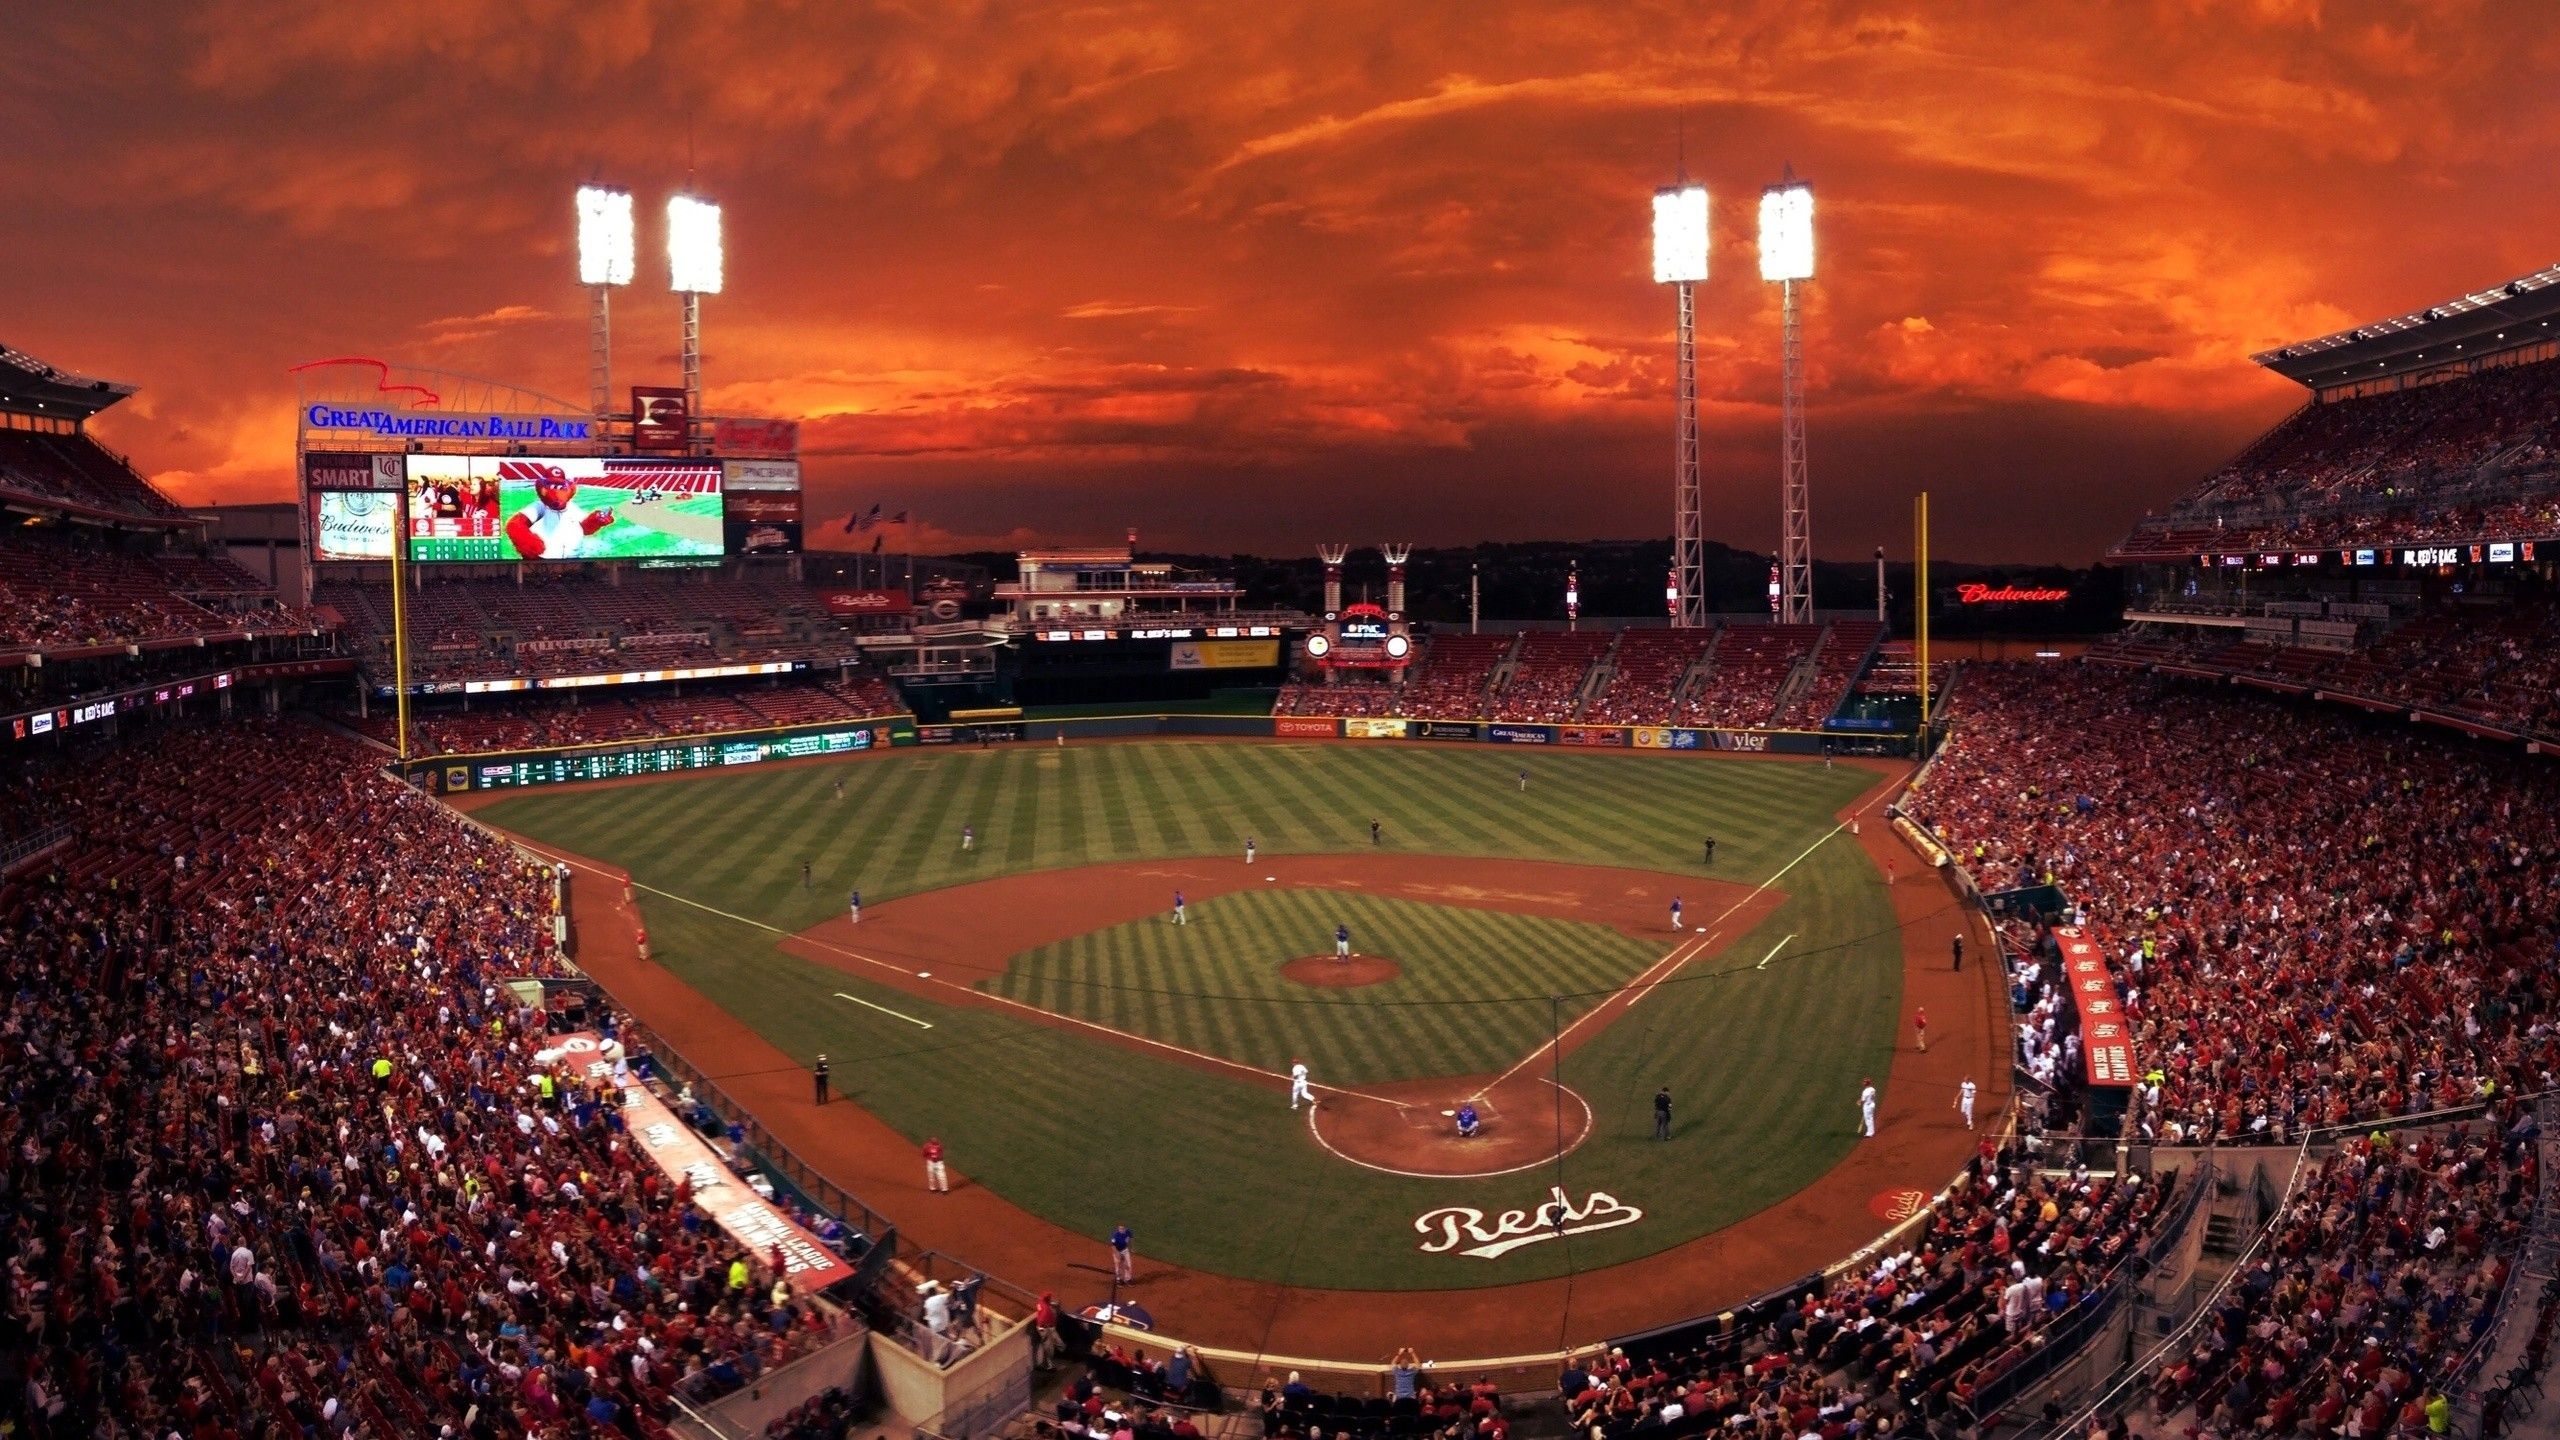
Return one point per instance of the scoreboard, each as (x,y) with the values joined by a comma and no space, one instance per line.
(509,772)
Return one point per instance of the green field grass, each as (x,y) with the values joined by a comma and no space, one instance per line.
(1216,1173)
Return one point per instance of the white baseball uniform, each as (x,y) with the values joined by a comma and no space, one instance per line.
(1867,1110)
(1299,1089)
(563,532)
(1964,1102)
(1248,852)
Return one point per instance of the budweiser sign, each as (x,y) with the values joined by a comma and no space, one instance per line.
(1974,592)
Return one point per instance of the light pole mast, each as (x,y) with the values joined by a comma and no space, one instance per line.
(1786,256)
(695,263)
(606,251)
(1680,261)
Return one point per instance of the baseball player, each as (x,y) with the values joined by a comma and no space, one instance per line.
(818,1074)
(1867,1109)
(1467,1120)
(1964,1101)
(1675,912)
(1181,913)
(1920,1026)
(936,1178)
(1524,782)
(839,789)
(804,874)
(554,526)
(1124,1259)
(1341,942)
(968,837)
(1957,946)
(1298,1087)
(1707,851)
(1248,849)
(1377,835)
(1662,1113)
(853,904)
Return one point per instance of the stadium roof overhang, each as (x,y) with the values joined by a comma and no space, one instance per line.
(29,384)
(2505,317)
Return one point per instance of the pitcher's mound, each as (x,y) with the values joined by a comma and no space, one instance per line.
(1410,1127)
(1327,972)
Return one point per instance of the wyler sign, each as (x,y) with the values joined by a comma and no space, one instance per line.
(411,425)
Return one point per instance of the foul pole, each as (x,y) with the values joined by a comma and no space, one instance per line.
(400,635)
(1920,603)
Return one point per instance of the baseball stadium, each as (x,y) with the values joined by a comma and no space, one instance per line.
(574,918)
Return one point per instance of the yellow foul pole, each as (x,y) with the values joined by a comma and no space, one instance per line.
(400,631)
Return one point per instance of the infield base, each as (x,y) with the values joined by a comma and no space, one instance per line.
(1409,1127)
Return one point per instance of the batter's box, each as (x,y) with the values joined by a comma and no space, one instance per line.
(1444,1121)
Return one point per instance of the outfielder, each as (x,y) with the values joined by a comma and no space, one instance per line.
(853,904)
(1964,1101)
(1248,849)
(1298,1087)
(1867,1109)
(1181,913)
(968,837)
(1341,942)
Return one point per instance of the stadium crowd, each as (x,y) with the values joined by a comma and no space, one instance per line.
(2377,1280)
(2312,918)
(290,1157)
(551,721)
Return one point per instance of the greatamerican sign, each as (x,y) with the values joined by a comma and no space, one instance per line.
(410,425)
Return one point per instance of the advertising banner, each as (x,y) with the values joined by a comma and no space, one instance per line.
(2106,1042)
(778,439)
(1446,730)
(658,418)
(865,602)
(769,506)
(353,524)
(1749,741)
(760,537)
(490,508)
(1520,734)
(1366,727)
(1658,737)
(1306,726)
(1226,654)
(1590,735)
(762,474)
(350,472)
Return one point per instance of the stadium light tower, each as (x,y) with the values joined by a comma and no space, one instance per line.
(1680,260)
(1786,256)
(607,242)
(693,271)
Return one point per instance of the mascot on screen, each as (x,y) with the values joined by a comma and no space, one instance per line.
(553,527)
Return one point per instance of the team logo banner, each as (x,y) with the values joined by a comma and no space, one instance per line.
(1464,1230)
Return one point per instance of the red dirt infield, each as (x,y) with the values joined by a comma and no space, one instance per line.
(1409,1127)
(957,933)
(1332,972)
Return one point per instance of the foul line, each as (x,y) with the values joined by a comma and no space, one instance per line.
(1773,952)
(983,995)
(885,1010)
(1664,968)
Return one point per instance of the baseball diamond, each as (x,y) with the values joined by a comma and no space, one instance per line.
(1143,1065)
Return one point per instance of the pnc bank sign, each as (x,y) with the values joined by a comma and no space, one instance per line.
(409,425)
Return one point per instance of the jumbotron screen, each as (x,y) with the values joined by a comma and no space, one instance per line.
(501,508)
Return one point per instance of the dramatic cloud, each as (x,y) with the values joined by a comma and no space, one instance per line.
(1247,276)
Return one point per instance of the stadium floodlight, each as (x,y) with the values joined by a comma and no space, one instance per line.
(608,246)
(1680,261)
(1786,260)
(693,245)
(607,238)
(1786,232)
(1680,235)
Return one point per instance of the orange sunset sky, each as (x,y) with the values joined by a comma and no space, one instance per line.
(1252,275)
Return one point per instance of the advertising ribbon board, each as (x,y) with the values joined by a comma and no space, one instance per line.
(1306,726)
(1520,734)
(866,602)
(1446,730)
(1362,727)
(2106,1041)
(1225,654)
(1590,735)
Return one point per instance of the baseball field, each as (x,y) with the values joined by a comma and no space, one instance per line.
(1028,998)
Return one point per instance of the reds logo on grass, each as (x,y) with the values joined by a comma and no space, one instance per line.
(1452,1226)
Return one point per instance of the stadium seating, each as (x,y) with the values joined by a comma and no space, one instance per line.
(321,1197)
(1450,682)
(61,591)
(1752,664)
(1546,681)
(77,469)
(547,721)
(2318,916)
(1647,674)
(1841,655)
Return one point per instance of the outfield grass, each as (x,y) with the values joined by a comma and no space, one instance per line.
(1216,1173)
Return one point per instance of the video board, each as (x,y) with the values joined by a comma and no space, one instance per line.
(505,508)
